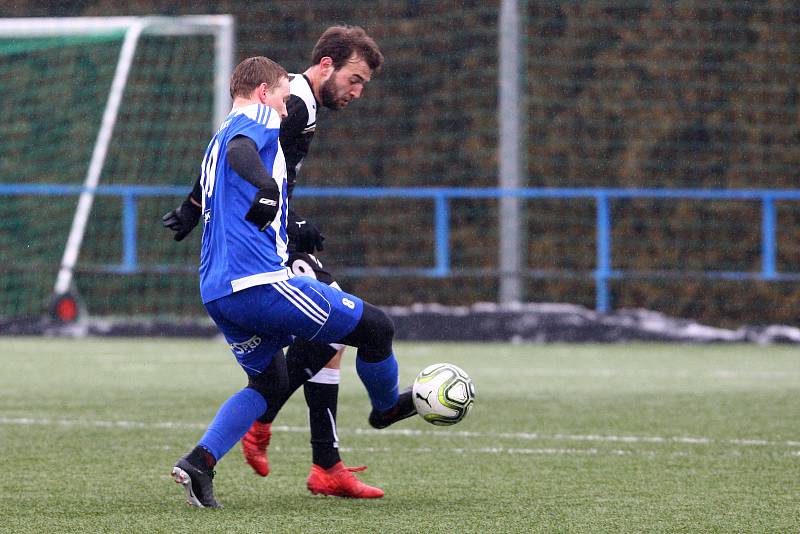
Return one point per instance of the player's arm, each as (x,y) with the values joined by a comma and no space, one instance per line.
(296,117)
(295,136)
(242,155)
(303,234)
(185,217)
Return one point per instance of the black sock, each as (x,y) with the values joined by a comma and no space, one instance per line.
(304,359)
(201,458)
(322,400)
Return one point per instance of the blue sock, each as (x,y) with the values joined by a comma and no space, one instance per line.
(232,421)
(381,381)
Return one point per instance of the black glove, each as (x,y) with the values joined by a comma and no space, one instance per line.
(303,235)
(182,219)
(264,208)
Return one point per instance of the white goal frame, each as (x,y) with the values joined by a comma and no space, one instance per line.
(221,27)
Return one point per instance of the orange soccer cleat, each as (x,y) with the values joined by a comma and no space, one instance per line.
(254,447)
(341,482)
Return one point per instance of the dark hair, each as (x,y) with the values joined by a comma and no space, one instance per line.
(341,42)
(254,71)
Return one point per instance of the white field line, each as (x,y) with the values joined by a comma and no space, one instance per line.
(511,451)
(646,373)
(524,436)
(541,451)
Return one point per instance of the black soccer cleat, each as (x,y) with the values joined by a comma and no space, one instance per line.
(402,410)
(197,484)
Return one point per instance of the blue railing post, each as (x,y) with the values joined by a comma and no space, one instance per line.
(603,299)
(442,229)
(129,238)
(768,244)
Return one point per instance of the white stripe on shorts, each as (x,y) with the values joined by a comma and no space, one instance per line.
(313,306)
(299,305)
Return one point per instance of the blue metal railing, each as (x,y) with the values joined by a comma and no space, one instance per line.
(441,196)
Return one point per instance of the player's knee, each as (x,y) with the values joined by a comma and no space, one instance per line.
(372,335)
(336,361)
(385,329)
(272,383)
(378,332)
(273,391)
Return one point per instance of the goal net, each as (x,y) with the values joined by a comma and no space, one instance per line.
(94,111)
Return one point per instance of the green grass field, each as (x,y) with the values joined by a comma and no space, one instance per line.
(564,438)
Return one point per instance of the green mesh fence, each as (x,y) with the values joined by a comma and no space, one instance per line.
(664,95)
(632,94)
(55,90)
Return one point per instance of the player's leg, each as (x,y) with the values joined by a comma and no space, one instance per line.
(321,391)
(195,470)
(316,367)
(344,318)
(316,312)
(328,474)
(255,353)
(304,360)
(340,317)
(256,441)
(373,337)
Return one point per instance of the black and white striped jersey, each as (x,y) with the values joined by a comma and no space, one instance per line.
(297,129)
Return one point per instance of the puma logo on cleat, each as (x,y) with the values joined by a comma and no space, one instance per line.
(425,398)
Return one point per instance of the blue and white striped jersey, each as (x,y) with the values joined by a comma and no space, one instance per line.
(235,255)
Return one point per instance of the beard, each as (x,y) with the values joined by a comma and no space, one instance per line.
(328,94)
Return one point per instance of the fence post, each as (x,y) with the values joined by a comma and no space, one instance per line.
(509,152)
(603,302)
(768,245)
(442,233)
(129,237)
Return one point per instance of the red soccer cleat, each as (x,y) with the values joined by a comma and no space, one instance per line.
(341,482)
(254,447)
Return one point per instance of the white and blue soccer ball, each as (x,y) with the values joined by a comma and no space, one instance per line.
(443,394)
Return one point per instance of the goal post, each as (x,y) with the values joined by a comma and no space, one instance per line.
(23,38)
(221,27)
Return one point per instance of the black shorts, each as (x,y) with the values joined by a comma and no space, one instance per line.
(302,264)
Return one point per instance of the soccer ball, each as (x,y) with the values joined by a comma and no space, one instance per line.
(443,394)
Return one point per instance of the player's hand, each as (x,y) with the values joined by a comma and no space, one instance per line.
(264,208)
(182,219)
(304,236)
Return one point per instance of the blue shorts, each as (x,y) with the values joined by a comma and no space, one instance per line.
(259,321)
